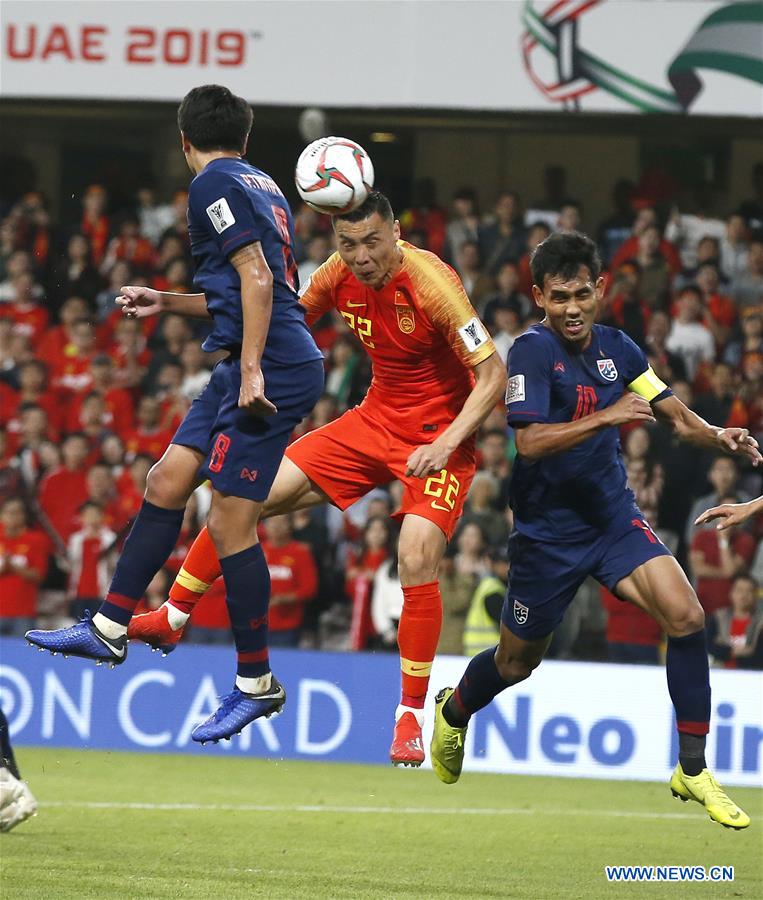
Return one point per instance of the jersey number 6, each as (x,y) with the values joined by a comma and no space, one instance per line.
(290,267)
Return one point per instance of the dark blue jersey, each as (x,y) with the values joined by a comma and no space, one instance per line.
(231,204)
(578,494)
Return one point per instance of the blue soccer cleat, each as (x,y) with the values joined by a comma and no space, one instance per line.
(82,639)
(237,710)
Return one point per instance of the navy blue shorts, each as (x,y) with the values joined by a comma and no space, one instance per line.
(544,576)
(244,451)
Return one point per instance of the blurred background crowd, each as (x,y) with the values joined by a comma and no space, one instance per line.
(89,400)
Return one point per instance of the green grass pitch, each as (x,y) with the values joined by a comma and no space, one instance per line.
(155,826)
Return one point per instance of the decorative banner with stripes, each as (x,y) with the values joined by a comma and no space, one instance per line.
(729,40)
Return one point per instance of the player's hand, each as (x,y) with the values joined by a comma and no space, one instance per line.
(428,459)
(629,408)
(252,394)
(139,302)
(740,442)
(728,514)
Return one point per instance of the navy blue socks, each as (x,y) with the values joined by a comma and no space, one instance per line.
(479,684)
(689,686)
(247,585)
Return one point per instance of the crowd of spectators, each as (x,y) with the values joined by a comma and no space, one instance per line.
(88,400)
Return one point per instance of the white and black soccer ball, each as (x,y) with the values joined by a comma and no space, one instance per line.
(334,175)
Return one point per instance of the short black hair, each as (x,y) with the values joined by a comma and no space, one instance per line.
(563,253)
(375,202)
(213,118)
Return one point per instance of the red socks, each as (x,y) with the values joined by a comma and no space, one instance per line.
(200,569)
(417,637)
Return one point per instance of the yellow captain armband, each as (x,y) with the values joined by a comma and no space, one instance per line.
(648,385)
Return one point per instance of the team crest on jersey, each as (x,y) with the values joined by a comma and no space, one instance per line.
(406,320)
(607,369)
(520,612)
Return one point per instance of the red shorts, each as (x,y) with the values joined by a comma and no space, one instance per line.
(356,452)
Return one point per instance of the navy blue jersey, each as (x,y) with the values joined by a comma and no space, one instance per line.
(581,493)
(231,204)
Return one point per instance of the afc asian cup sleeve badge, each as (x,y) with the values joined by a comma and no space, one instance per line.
(607,369)
(520,612)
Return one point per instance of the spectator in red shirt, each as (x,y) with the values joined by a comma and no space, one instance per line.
(24,557)
(361,566)
(716,558)
(101,490)
(117,402)
(131,485)
(632,635)
(71,369)
(95,223)
(735,635)
(90,565)
(293,580)
(720,314)
(64,490)
(33,389)
(27,313)
(149,437)
(128,246)
(537,233)
(51,346)
(129,353)
(645,218)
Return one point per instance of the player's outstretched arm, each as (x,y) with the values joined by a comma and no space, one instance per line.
(490,386)
(539,439)
(139,302)
(692,428)
(730,514)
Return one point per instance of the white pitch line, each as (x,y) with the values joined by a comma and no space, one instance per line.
(366,810)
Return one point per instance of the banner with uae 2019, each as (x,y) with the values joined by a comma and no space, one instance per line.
(637,56)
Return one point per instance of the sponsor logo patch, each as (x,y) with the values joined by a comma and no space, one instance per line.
(249,474)
(515,389)
(473,334)
(220,215)
(520,612)
(607,369)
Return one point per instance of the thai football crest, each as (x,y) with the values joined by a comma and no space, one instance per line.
(520,612)
(607,369)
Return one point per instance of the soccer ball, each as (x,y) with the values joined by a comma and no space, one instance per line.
(334,175)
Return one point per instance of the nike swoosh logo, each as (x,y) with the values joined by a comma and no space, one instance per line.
(117,651)
(352,304)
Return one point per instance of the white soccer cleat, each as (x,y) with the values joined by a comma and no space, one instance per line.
(17,803)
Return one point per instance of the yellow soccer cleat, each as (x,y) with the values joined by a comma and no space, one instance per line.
(705,790)
(447,747)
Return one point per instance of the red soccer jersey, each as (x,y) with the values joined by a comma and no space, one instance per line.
(28,319)
(421,332)
(149,443)
(627,624)
(713,593)
(61,495)
(293,572)
(18,595)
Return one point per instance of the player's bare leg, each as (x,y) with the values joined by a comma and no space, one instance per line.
(661,588)
(489,673)
(162,628)
(104,638)
(420,549)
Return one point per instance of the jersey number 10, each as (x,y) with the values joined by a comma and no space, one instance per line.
(587,400)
